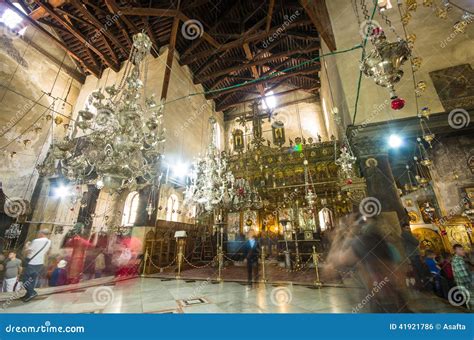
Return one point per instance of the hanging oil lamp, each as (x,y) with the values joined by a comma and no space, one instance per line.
(384,63)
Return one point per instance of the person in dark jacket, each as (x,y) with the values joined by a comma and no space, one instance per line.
(251,254)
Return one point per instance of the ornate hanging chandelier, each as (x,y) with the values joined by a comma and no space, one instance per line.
(123,132)
(210,182)
(384,63)
(245,196)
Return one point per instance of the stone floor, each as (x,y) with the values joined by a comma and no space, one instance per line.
(155,295)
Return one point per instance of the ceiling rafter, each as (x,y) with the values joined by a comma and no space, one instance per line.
(78,35)
(91,69)
(259,36)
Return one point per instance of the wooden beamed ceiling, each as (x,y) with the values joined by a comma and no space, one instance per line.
(257,44)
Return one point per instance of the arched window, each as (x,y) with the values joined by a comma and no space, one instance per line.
(172,208)
(217,137)
(130,209)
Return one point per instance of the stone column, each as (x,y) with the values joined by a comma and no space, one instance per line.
(375,166)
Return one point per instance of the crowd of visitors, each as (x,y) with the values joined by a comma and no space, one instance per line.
(34,268)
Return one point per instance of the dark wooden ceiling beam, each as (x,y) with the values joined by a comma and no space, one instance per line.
(148,11)
(115,9)
(245,65)
(268,24)
(229,116)
(259,36)
(318,13)
(58,42)
(97,24)
(269,79)
(169,58)
(212,30)
(79,36)
(249,100)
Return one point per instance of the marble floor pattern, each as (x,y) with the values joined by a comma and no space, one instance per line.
(153,295)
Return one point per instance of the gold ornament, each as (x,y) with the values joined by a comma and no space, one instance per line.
(421,85)
(427,3)
(411,38)
(26,142)
(406,19)
(49,117)
(38,130)
(411,5)
(58,120)
(441,13)
(426,112)
(460,26)
(416,62)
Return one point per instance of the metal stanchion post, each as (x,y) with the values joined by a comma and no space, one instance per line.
(220,258)
(315,262)
(180,258)
(145,259)
(264,279)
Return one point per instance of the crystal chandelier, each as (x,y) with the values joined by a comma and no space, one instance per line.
(123,132)
(245,196)
(346,162)
(384,62)
(210,182)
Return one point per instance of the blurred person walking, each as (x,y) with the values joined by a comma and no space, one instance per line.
(251,254)
(358,245)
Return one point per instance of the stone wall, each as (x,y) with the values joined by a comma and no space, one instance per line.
(451,172)
(300,111)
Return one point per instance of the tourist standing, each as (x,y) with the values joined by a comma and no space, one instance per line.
(251,253)
(36,251)
(12,272)
(462,276)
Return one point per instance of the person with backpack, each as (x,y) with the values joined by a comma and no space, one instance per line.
(36,252)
